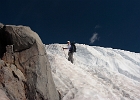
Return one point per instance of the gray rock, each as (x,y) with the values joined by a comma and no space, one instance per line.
(25,72)
(3,95)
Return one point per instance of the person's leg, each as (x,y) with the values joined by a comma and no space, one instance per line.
(70,58)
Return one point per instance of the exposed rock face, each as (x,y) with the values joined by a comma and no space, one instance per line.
(3,95)
(24,69)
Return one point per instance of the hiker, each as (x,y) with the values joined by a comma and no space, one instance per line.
(72,49)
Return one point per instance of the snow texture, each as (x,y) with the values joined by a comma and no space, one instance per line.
(97,73)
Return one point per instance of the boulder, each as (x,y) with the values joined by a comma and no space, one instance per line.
(25,72)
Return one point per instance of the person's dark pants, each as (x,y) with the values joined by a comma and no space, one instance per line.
(70,58)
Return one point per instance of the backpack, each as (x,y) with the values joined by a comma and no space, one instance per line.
(72,48)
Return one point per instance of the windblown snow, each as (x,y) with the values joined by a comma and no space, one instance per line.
(97,73)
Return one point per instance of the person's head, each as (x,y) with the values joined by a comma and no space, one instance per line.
(68,42)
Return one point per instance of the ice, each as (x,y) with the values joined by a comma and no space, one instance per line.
(97,73)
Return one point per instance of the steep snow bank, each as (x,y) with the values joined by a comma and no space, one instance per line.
(97,73)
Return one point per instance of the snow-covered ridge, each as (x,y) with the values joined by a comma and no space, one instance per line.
(97,73)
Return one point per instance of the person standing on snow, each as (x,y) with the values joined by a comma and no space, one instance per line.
(70,52)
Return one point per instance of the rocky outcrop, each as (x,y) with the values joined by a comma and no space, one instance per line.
(25,72)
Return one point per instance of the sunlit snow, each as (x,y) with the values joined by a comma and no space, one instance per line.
(97,73)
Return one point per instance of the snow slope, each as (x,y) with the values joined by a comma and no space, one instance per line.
(97,73)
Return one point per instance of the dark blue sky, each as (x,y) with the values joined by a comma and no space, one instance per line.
(116,22)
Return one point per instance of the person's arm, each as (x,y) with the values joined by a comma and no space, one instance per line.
(64,48)
(67,47)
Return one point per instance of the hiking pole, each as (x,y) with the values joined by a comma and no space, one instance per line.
(65,54)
